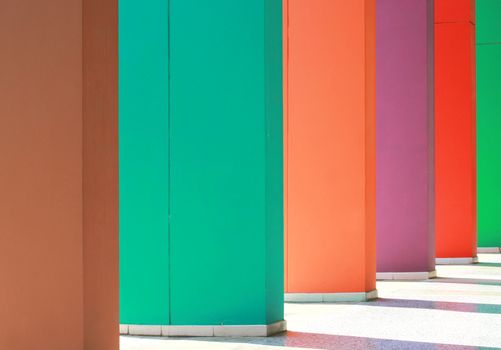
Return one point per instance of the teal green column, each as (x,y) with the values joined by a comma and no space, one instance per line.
(201,216)
(489,122)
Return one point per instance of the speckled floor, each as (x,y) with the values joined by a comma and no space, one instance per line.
(459,310)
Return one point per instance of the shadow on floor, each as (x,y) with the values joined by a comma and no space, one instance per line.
(487,264)
(433,305)
(334,342)
(481,281)
(443,279)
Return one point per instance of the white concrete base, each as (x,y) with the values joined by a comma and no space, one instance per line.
(205,331)
(329,297)
(492,250)
(408,276)
(456,261)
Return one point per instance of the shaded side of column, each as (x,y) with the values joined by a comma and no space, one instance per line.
(100,174)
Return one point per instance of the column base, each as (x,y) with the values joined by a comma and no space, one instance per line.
(329,297)
(456,261)
(205,331)
(488,250)
(408,276)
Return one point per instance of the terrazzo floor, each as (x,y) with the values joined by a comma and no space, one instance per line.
(459,310)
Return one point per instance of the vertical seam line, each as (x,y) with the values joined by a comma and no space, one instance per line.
(169,158)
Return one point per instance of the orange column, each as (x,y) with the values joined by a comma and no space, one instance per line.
(456,234)
(58,184)
(329,68)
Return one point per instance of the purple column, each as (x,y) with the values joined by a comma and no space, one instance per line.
(405,118)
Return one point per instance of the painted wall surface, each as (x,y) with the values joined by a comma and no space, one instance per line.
(488,122)
(405,133)
(59,210)
(144,161)
(330,146)
(453,11)
(455,134)
(212,147)
(487,19)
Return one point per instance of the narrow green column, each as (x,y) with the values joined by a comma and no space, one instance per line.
(489,122)
(201,167)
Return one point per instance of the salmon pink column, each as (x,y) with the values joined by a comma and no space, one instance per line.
(59,177)
(330,150)
(455,131)
(405,145)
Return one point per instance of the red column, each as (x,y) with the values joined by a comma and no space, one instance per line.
(456,238)
(58,184)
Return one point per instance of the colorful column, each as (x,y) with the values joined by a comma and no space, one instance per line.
(59,178)
(201,188)
(405,145)
(455,135)
(330,150)
(489,124)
